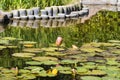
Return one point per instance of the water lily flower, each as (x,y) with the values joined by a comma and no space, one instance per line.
(59,41)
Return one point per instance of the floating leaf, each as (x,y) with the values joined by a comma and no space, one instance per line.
(90,78)
(81,70)
(9,38)
(33,50)
(55,54)
(35,63)
(34,68)
(114,41)
(22,71)
(66,72)
(23,54)
(28,42)
(44,58)
(49,62)
(109,78)
(91,50)
(68,62)
(96,73)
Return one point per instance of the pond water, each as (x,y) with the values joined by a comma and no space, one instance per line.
(103,26)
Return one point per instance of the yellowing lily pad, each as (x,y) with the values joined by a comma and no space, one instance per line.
(23,55)
(91,50)
(33,50)
(44,58)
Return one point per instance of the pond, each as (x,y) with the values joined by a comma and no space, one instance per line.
(88,48)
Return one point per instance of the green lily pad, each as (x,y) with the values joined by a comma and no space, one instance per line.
(60,68)
(116,51)
(4,42)
(35,63)
(55,54)
(49,62)
(68,62)
(109,78)
(43,74)
(44,58)
(90,78)
(7,71)
(9,38)
(8,78)
(114,41)
(27,76)
(90,66)
(81,70)
(112,62)
(23,55)
(66,72)
(12,47)
(51,75)
(34,68)
(96,73)
(2,47)
(91,50)
(22,71)
(101,67)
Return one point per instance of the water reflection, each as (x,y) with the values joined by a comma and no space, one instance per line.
(45,23)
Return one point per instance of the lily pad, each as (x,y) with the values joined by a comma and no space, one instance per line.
(90,78)
(49,62)
(66,72)
(45,58)
(114,41)
(61,68)
(43,74)
(81,70)
(33,50)
(28,42)
(23,55)
(68,62)
(4,42)
(109,78)
(2,47)
(55,54)
(34,68)
(27,76)
(117,51)
(96,73)
(9,38)
(12,47)
(52,49)
(22,71)
(91,50)
(35,63)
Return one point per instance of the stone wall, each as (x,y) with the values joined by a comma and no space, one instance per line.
(102,2)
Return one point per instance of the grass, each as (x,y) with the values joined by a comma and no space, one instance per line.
(16,4)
